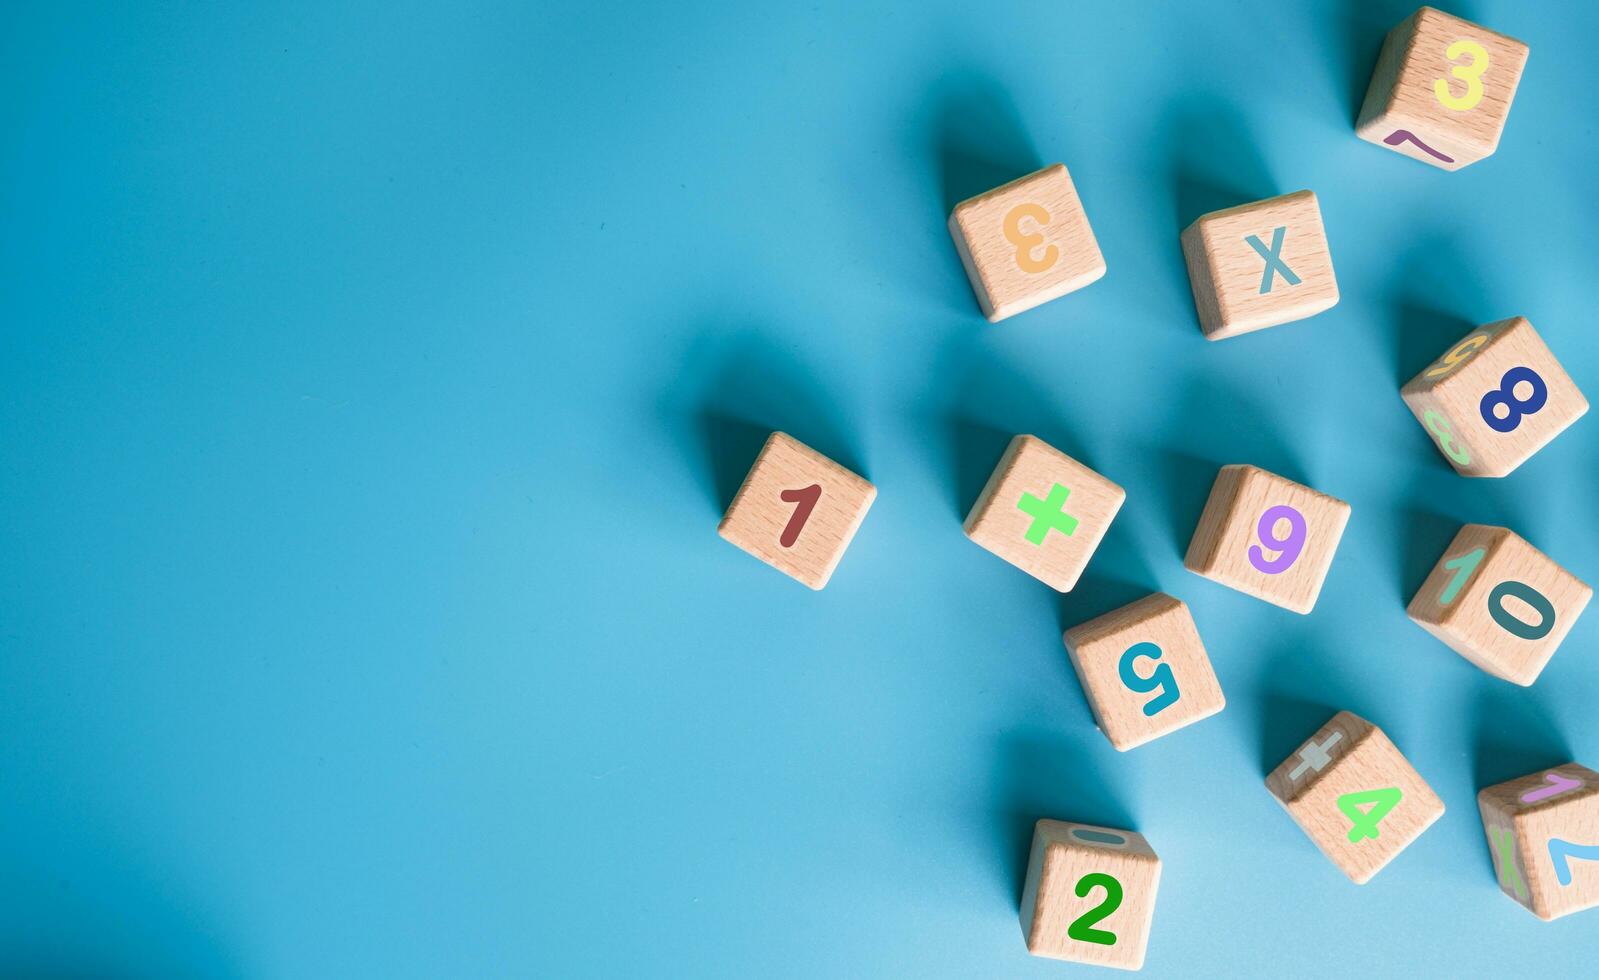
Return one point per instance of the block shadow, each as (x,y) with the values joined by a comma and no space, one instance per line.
(980,141)
(1214,160)
(1512,734)
(1424,533)
(1301,689)
(1362,26)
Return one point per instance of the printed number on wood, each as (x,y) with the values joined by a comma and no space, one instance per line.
(1082,928)
(1457,357)
(804,501)
(1515,408)
(1464,566)
(1364,823)
(1160,677)
(1288,547)
(1399,136)
(1047,514)
(1557,784)
(1469,73)
(1445,434)
(1028,257)
(1559,853)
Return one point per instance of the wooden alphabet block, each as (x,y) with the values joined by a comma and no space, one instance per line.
(1026,243)
(1043,512)
(797,510)
(1441,90)
(1494,399)
(1543,833)
(1089,895)
(1355,795)
(1499,602)
(1259,265)
(1267,536)
(1144,670)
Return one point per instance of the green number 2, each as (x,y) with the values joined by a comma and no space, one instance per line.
(1363,823)
(1462,567)
(1082,928)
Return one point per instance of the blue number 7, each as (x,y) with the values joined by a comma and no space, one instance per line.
(1559,850)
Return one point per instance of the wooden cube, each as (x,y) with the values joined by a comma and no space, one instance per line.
(1043,512)
(1357,797)
(1089,895)
(1259,265)
(1026,243)
(1499,602)
(1494,399)
(1144,670)
(1441,89)
(797,510)
(1267,536)
(1543,833)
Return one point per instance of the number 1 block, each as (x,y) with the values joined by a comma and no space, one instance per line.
(1355,795)
(1543,834)
(1089,895)
(1499,602)
(797,510)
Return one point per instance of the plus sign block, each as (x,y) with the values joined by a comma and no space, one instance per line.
(1026,243)
(1441,90)
(1355,795)
(1543,834)
(1089,896)
(1043,512)
(1259,265)
(1494,399)
(1144,670)
(797,510)
(1499,602)
(1267,536)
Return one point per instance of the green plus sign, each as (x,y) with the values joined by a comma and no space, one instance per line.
(1048,513)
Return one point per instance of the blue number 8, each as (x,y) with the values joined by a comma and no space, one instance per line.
(1160,679)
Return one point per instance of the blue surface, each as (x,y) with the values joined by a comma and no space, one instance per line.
(372,377)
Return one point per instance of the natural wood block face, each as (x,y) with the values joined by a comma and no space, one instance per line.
(797,510)
(1543,833)
(1026,243)
(1267,536)
(1441,90)
(1144,670)
(1090,894)
(1494,399)
(1357,797)
(1259,265)
(1043,512)
(1499,602)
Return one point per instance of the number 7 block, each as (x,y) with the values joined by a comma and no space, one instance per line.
(1089,896)
(1543,835)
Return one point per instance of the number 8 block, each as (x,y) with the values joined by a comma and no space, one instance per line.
(1089,895)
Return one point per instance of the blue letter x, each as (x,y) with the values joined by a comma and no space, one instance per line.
(1274,262)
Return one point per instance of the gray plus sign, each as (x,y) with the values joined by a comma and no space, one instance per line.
(1314,756)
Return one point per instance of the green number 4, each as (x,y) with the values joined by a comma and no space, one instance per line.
(1363,823)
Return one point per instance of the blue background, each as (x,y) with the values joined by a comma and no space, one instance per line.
(373,375)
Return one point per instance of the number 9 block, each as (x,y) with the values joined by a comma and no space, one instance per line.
(1543,835)
(1089,895)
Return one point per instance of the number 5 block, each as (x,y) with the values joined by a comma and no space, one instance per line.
(1543,834)
(1089,895)
(1355,795)
(1499,602)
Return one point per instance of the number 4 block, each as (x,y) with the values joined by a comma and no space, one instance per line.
(1543,833)
(1089,895)
(1355,795)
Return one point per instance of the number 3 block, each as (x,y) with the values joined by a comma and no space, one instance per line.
(1499,602)
(797,510)
(1026,243)
(1355,795)
(1441,90)
(1144,670)
(1090,894)
(1494,399)
(1543,833)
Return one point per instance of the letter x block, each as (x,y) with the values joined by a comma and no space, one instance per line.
(1026,243)
(1043,512)
(797,510)
(1267,536)
(1259,265)
(1089,895)
(1543,833)
(1144,670)
(1494,399)
(1441,90)
(1499,602)
(1355,795)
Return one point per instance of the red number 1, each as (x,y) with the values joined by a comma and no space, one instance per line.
(805,500)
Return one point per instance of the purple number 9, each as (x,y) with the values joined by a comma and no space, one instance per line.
(1290,547)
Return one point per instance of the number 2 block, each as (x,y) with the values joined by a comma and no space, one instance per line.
(1494,399)
(1026,243)
(1499,602)
(1543,835)
(1144,670)
(1089,895)
(1355,795)
(1442,89)
(1267,536)
(797,510)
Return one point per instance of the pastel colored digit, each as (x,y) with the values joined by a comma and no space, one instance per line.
(1557,784)
(1160,678)
(1027,243)
(1462,567)
(1470,74)
(1364,823)
(1048,514)
(804,500)
(1315,756)
(1515,407)
(1439,427)
(1559,851)
(1081,928)
(1273,257)
(1504,846)
(1406,136)
(1532,597)
(1091,836)
(1288,547)
(1458,355)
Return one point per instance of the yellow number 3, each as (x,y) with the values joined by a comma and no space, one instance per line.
(1027,243)
(1470,74)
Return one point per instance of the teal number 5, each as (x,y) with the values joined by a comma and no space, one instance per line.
(1082,928)
(1160,679)
(1462,567)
